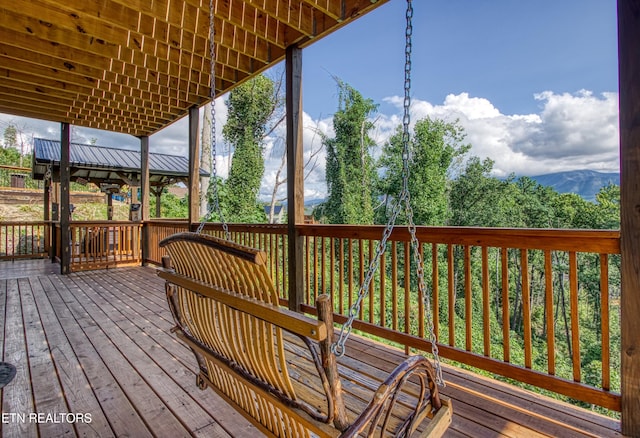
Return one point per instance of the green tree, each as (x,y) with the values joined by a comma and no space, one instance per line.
(477,199)
(435,146)
(11,136)
(250,107)
(607,209)
(350,173)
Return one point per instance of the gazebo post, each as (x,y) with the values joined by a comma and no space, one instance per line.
(47,213)
(65,216)
(295,180)
(629,95)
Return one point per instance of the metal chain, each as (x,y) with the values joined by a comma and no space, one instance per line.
(338,348)
(213,182)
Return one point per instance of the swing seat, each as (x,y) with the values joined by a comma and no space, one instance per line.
(275,366)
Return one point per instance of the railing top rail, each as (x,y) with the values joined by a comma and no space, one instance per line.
(22,223)
(598,241)
(103,223)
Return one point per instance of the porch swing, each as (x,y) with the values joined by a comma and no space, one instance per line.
(281,369)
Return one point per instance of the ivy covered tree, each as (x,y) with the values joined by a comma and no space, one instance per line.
(251,105)
(436,145)
(350,171)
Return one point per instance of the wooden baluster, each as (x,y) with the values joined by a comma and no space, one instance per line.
(452,295)
(604,321)
(341,276)
(550,321)
(526,306)
(361,272)
(421,298)
(394,285)
(486,328)
(371,292)
(506,344)
(575,330)
(468,306)
(435,290)
(383,286)
(350,276)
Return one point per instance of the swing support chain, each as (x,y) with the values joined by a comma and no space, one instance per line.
(404,199)
(212,190)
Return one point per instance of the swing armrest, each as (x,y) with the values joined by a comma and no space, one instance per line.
(416,371)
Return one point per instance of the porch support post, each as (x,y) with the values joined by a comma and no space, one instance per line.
(629,95)
(194,167)
(65,216)
(295,180)
(144,195)
(47,214)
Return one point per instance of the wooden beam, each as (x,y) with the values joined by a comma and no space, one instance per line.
(629,95)
(65,215)
(194,166)
(144,176)
(295,180)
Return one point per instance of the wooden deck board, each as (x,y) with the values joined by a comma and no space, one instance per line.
(47,392)
(99,342)
(123,417)
(75,386)
(16,397)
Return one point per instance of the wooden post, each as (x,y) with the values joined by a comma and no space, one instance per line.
(629,95)
(194,167)
(47,213)
(47,198)
(325,314)
(295,180)
(144,194)
(65,215)
(158,202)
(109,206)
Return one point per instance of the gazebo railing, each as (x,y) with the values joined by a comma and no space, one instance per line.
(24,240)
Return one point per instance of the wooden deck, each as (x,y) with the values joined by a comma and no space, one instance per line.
(98,344)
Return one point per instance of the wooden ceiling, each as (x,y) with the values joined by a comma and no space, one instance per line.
(135,66)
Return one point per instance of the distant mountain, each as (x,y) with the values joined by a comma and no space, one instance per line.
(586,183)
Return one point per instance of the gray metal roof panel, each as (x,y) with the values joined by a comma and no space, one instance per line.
(83,155)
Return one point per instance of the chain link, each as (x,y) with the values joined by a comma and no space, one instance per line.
(404,198)
(212,190)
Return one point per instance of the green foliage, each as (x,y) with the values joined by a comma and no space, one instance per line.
(435,145)
(10,137)
(250,107)
(350,173)
(171,206)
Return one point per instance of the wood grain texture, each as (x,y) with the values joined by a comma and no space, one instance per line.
(629,78)
(136,67)
(134,302)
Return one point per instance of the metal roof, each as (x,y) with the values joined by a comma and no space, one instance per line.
(135,66)
(104,164)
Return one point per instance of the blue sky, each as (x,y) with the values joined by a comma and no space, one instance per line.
(501,50)
(534,83)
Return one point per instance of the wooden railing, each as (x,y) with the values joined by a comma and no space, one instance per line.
(514,302)
(24,240)
(158,229)
(103,244)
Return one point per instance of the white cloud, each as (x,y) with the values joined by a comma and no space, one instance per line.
(571,131)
